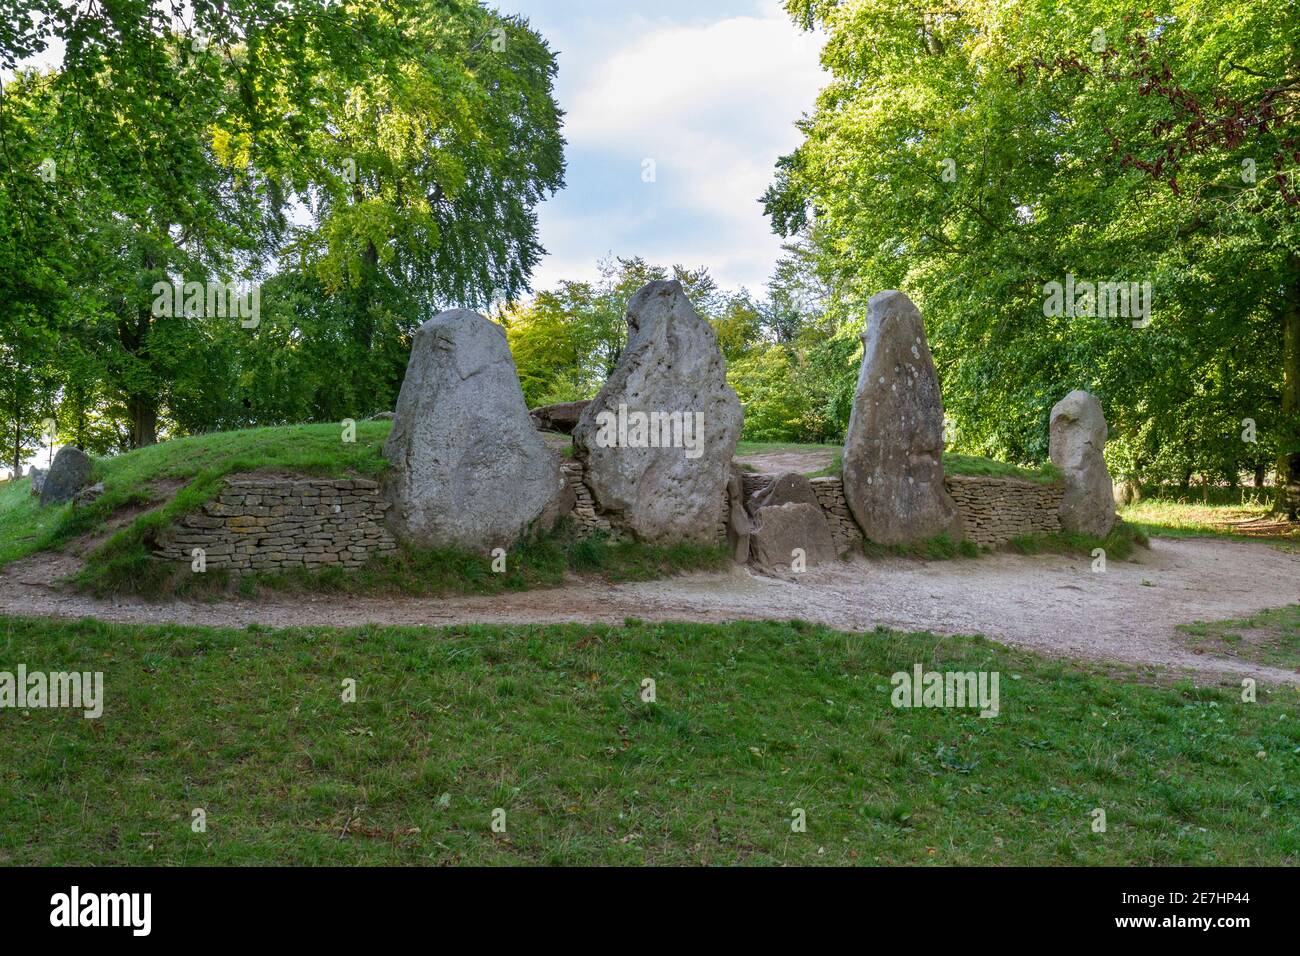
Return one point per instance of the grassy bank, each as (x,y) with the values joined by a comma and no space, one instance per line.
(1120,545)
(751,722)
(180,474)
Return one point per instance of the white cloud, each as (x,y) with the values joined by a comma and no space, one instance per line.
(714,104)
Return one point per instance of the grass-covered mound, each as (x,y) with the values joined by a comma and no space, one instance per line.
(973,465)
(148,489)
(145,491)
(751,722)
(192,468)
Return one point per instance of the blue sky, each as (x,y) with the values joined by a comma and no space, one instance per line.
(710,91)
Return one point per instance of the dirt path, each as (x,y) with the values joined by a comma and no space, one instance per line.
(778,462)
(1051,604)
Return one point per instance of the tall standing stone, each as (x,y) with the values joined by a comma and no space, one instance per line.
(658,439)
(469,470)
(1077,444)
(893,452)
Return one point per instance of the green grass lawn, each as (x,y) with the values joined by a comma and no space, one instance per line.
(1270,637)
(1241,517)
(752,722)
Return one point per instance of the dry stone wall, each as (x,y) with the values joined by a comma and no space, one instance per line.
(274,524)
(992,510)
(995,510)
(830,495)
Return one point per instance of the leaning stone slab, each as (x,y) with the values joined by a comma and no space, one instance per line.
(656,443)
(1077,446)
(68,475)
(562,417)
(893,451)
(739,524)
(785,488)
(783,530)
(469,470)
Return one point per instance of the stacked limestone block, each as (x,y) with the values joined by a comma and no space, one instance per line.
(996,510)
(830,495)
(274,524)
(585,519)
(993,510)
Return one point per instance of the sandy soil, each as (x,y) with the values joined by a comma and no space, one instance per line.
(1052,604)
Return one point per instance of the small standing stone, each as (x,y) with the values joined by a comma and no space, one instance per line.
(1077,446)
(68,475)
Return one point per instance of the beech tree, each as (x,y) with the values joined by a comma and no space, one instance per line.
(973,153)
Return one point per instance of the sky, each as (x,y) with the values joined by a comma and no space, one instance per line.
(709,91)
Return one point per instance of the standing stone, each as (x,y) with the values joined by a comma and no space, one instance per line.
(893,452)
(785,488)
(469,470)
(38,480)
(658,439)
(1078,440)
(68,475)
(781,529)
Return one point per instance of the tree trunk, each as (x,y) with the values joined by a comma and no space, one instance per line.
(1259,474)
(1288,462)
(144,420)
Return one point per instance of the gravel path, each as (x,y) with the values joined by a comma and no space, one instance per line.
(1051,604)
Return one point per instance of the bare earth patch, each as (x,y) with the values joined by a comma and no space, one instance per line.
(1048,603)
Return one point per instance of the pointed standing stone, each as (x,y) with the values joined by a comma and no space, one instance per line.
(893,452)
(647,475)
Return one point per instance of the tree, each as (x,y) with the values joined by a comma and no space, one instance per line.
(567,340)
(182,141)
(973,155)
